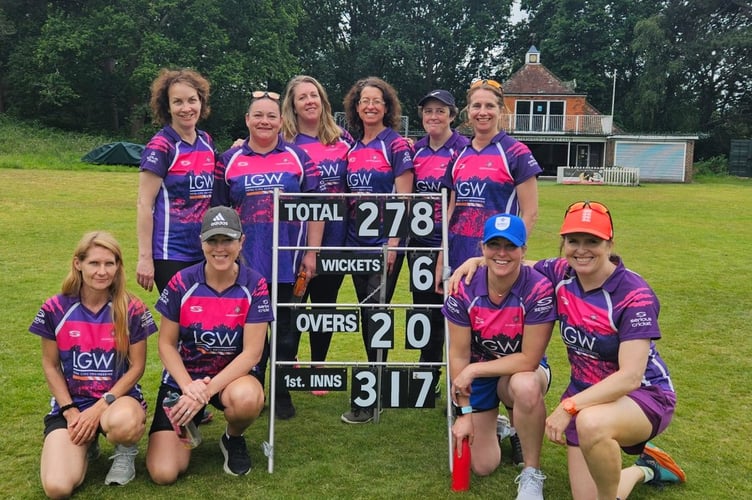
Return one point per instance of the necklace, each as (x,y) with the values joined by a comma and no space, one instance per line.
(491,289)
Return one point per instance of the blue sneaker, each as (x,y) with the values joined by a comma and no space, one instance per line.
(665,469)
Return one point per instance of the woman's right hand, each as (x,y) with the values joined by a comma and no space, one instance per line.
(466,270)
(145,273)
(463,428)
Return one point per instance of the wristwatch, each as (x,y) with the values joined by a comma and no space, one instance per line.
(569,406)
(109,398)
(462,410)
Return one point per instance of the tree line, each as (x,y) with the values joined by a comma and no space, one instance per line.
(681,66)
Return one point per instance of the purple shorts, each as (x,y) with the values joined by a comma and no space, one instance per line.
(657,404)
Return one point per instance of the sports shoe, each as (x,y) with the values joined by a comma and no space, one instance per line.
(663,466)
(284,409)
(530,484)
(237,459)
(93,452)
(358,416)
(206,417)
(123,468)
(517,458)
(503,427)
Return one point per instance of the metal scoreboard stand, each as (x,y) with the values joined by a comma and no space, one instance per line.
(379,384)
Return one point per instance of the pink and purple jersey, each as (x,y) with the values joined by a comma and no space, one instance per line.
(372,168)
(430,173)
(497,331)
(86,343)
(210,323)
(593,324)
(331,159)
(484,185)
(246,180)
(187,178)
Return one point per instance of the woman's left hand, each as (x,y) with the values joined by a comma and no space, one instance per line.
(556,424)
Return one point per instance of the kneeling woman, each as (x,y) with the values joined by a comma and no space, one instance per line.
(214,320)
(93,318)
(499,326)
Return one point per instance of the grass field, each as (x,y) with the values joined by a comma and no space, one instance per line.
(691,242)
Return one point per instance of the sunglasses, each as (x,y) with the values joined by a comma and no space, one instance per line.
(593,205)
(490,83)
(260,94)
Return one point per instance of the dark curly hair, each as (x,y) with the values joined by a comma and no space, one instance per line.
(160,87)
(393,113)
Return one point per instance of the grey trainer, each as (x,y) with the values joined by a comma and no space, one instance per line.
(123,468)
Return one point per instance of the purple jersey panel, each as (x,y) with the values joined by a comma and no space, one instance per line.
(593,324)
(246,180)
(484,184)
(497,330)
(331,159)
(210,323)
(430,172)
(372,168)
(86,343)
(187,178)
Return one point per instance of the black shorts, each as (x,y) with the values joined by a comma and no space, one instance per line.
(162,423)
(55,421)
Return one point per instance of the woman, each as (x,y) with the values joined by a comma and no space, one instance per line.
(214,320)
(620,393)
(245,178)
(308,123)
(433,153)
(92,375)
(175,182)
(499,326)
(379,162)
(494,173)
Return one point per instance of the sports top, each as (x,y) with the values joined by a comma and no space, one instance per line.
(85,340)
(210,323)
(183,198)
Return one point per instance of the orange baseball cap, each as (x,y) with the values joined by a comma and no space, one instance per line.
(590,217)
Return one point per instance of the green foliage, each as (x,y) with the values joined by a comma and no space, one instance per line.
(715,166)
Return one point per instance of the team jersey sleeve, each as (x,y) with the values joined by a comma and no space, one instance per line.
(539,300)
(402,156)
(141,321)
(455,307)
(639,316)
(261,305)
(156,157)
(45,320)
(169,301)
(220,189)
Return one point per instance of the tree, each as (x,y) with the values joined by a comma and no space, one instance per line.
(414,45)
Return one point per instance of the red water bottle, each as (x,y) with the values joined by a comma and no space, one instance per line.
(299,288)
(461,468)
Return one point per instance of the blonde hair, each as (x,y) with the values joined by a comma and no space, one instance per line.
(119,297)
(497,91)
(328,132)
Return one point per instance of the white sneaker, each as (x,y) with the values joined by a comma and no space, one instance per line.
(123,468)
(530,484)
(503,427)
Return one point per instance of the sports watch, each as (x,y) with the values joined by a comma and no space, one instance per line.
(109,398)
(569,406)
(462,410)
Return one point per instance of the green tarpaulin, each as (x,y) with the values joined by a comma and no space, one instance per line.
(115,153)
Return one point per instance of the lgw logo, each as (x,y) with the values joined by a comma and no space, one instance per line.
(215,339)
(575,337)
(96,360)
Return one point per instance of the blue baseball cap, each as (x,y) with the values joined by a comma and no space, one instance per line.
(505,226)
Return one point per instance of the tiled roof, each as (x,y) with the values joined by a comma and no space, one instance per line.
(535,79)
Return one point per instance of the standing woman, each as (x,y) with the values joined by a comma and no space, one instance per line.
(214,320)
(245,178)
(379,162)
(493,174)
(433,154)
(93,354)
(308,123)
(175,183)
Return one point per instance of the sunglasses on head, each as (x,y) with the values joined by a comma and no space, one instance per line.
(490,83)
(593,205)
(260,94)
